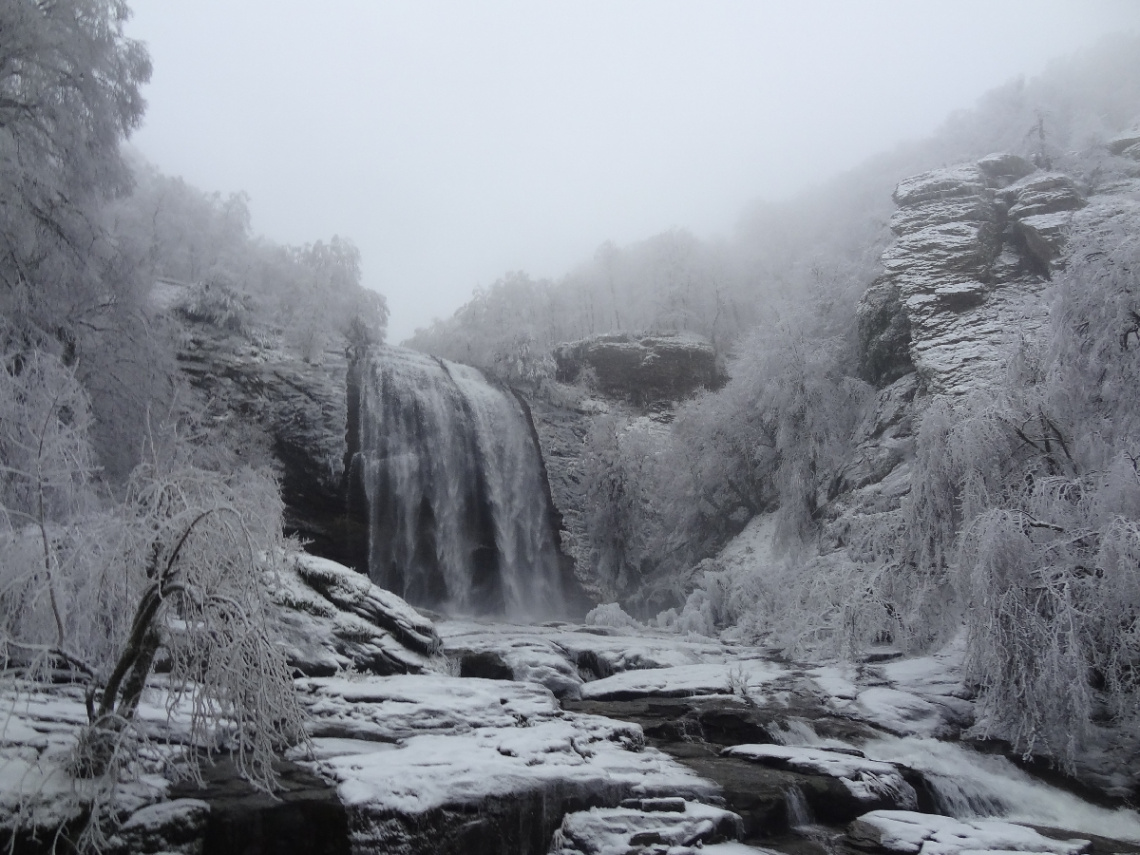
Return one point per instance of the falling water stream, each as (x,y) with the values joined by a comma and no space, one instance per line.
(459,515)
(971,785)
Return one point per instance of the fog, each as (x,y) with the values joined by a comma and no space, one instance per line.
(456,142)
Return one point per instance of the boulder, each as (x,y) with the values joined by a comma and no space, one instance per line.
(172,826)
(1126,144)
(864,784)
(1003,168)
(641,368)
(331,618)
(645,826)
(908,833)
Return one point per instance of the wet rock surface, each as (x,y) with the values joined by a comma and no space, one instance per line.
(686,745)
(304,817)
(295,411)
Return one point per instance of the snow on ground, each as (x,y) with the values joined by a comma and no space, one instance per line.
(837,682)
(870,781)
(901,712)
(456,741)
(614,649)
(678,825)
(921,696)
(588,755)
(740,678)
(39,726)
(388,709)
(928,834)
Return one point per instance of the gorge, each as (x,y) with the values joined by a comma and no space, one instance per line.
(819,539)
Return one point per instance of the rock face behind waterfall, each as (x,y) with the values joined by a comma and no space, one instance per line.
(445,468)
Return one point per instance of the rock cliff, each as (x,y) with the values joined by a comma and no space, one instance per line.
(279,408)
(973,248)
(641,369)
(975,245)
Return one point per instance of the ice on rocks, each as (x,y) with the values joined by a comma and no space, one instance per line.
(927,834)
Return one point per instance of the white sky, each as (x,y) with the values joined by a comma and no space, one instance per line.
(454,141)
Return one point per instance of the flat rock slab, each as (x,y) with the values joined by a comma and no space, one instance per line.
(912,833)
(743,677)
(436,764)
(872,782)
(645,827)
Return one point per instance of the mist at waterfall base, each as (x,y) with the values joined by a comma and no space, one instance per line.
(458,512)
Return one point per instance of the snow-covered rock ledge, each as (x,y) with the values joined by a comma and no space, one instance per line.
(437,764)
(333,618)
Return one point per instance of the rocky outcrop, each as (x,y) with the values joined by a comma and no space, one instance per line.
(974,246)
(436,764)
(1126,144)
(626,375)
(641,369)
(909,833)
(332,618)
(278,408)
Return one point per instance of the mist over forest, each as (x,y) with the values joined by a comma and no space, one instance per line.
(891,416)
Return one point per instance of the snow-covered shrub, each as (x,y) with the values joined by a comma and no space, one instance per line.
(611,614)
(218,304)
(94,589)
(1024,514)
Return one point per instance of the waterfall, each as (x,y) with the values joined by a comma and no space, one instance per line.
(458,511)
(799,811)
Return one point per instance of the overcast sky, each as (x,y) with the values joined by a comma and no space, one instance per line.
(456,141)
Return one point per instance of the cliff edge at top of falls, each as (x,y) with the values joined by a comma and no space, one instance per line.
(279,408)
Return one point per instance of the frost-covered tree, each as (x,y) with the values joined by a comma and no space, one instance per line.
(1024,514)
(69,95)
(93,590)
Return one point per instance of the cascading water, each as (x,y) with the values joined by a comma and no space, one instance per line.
(969,785)
(458,511)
